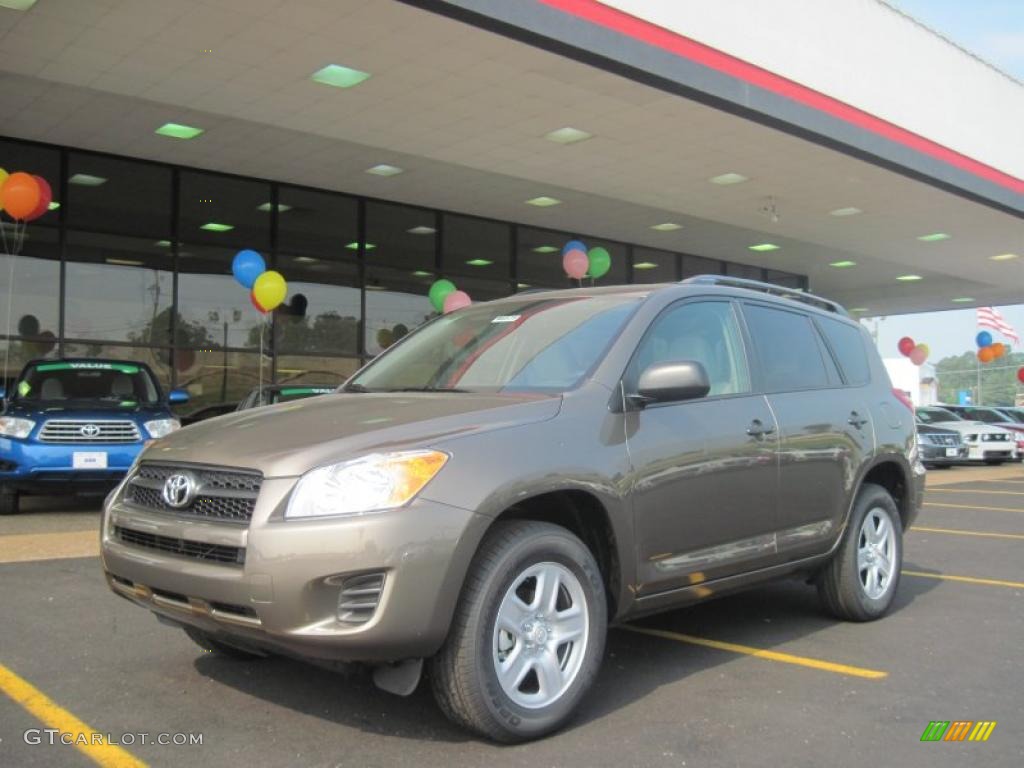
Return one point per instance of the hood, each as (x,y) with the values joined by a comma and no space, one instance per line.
(289,439)
(86,411)
(928,429)
(970,427)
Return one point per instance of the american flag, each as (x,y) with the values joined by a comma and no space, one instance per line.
(989,317)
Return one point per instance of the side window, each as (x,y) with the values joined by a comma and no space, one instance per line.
(706,332)
(787,348)
(848,344)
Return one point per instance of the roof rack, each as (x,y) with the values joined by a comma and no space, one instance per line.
(775,290)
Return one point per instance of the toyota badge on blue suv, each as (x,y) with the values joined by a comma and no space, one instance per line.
(76,425)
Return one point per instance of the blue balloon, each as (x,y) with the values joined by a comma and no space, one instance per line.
(984,339)
(573,245)
(247,266)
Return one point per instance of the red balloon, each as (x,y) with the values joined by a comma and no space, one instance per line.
(1020,375)
(20,195)
(45,198)
(906,346)
(259,307)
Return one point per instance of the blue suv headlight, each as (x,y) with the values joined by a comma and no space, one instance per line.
(11,426)
(161,427)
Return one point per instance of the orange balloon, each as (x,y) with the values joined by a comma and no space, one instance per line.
(20,195)
(986,354)
(998,350)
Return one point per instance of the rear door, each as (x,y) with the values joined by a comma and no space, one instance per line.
(825,430)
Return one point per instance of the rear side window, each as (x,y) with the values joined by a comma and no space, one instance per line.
(848,345)
(787,348)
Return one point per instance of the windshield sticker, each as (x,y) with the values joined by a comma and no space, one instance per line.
(506,318)
(24,388)
(119,367)
(306,391)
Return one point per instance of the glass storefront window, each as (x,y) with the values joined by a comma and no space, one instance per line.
(322,311)
(653,266)
(318,224)
(124,196)
(219,376)
(224,211)
(477,248)
(396,303)
(744,271)
(539,258)
(315,371)
(35,298)
(399,236)
(698,265)
(118,289)
(785,279)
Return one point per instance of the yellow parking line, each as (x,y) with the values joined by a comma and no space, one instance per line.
(761,653)
(968,490)
(23,547)
(92,744)
(959,532)
(972,506)
(967,579)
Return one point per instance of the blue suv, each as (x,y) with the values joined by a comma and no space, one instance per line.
(76,425)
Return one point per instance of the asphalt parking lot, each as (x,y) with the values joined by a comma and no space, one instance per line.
(763,678)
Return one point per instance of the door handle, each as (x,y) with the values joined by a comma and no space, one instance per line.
(758,429)
(856,420)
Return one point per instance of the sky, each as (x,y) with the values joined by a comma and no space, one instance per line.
(992,29)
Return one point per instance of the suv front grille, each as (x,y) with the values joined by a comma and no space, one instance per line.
(936,439)
(216,553)
(219,494)
(995,437)
(89,432)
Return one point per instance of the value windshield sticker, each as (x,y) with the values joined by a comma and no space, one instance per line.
(119,367)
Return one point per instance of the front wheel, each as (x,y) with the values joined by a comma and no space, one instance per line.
(860,581)
(9,502)
(528,635)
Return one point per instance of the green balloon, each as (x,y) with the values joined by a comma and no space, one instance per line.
(438,291)
(600,262)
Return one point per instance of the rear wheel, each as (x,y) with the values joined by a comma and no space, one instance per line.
(528,635)
(211,645)
(860,581)
(10,502)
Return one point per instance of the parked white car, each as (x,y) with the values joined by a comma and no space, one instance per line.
(985,442)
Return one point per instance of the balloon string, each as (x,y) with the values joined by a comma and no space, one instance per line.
(10,303)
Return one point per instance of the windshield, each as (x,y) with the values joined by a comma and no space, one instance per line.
(936,415)
(536,344)
(123,384)
(983,414)
(1015,414)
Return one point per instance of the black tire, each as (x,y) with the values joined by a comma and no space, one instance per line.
(10,502)
(212,645)
(463,675)
(840,583)
(993,462)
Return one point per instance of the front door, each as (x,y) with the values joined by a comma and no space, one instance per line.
(704,472)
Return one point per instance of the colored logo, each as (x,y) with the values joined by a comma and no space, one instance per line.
(178,490)
(958,730)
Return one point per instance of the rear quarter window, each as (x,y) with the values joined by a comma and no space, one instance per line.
(847,344)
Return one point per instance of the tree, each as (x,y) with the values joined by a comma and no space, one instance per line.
(186,333)
(999,383)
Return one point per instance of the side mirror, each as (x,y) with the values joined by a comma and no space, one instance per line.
(671,382)
(177,397)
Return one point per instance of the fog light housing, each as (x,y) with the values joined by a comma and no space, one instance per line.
(359,596)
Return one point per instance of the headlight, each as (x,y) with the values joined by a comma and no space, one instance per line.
(370,484)
(14,427)
(162,427)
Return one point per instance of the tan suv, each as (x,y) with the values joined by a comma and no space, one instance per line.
(502,484)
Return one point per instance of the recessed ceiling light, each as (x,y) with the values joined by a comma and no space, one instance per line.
(567,135)
(178,131)
(845,212)
(909,278)
(645,265)
(17,5)
(522,285)
(544,201)
(962,300)
(338,76)
(305,259)
(544,249)
(215,226)
(162,243)
(761,247)
(355,246)
(422,273)
(728,178)
(1004,257)
(87,180)
(668,226)
(844,264)
(53,206)
(268,207)
(421,230)
(479,262)
(934,237)
(858,309)
(383,169)
(124,262)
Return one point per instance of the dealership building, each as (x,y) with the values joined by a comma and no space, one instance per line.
(370,147)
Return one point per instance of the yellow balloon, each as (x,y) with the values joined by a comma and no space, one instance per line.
(270,289)
(3,177)
(926,348)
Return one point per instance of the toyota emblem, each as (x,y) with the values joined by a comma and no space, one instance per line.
(90,430)
(178,491)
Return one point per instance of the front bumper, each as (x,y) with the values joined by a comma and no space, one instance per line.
(33,467)
(938,454)
(285,597)
(994,450)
